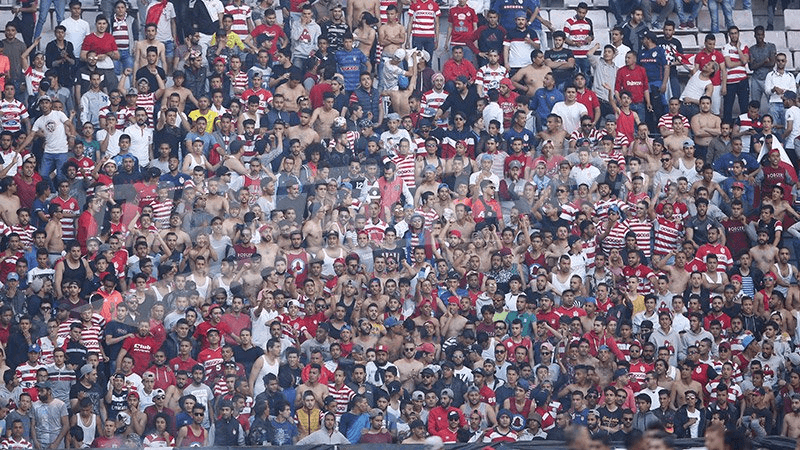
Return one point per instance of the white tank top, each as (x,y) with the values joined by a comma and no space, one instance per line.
(265,369)
(89,431)
(327,262)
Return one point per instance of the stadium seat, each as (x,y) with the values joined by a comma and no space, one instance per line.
(743,19)
(778,38)
(791,19)
(600,3)
(747,38)
(574,3)
(599,19)
(793,40)
(688,41)
(558,17)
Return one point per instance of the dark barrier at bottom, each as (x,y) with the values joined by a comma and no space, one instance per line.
(770,442)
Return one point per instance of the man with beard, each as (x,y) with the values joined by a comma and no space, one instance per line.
(438,417)
(52,421)
(87,387)
(791,422)
(376,370)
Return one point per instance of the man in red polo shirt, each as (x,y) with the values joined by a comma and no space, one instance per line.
(720,78)
(141,347)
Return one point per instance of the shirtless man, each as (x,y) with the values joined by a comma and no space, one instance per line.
(140,50)
(303,131)
(9,202)
(674,142)
(291,91)
(267,247)
(531,77)
(391,35)
(452,322)
(323,117)
(216,203)
(54,242)
(319,390)
(464,222)
(408,367)
(177,88)
(175,222)
(358,7)
(705,125)
(400,98)
(682,384)
(764,254)
(791,422)
(555,131)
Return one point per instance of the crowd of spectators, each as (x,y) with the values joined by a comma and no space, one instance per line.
(304,222)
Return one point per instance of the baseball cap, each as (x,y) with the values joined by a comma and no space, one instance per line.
(427,348)
(448,392)
(452,415)
(382,348)
(688,143)
(34,348)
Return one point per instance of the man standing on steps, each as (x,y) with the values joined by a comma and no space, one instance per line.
(737,55)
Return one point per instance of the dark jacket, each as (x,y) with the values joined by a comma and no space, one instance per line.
(682,417)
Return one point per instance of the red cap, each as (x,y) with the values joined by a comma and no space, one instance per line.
(738,184)
(219,59)
(774,150)
(455,233)
(382,348)
(427,348)
(736,277)
(507,82)
(338,261)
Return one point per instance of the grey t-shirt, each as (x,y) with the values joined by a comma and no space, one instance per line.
(48,420)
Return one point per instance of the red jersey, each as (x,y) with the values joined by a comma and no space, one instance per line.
(141,349)
(634,81)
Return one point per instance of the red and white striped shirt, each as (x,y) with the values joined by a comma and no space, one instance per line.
(590,251)
(33,77)
(616,237)
(405,168)
(238,80)
(27,374)
(490,78)
(342,397)
(430,217)
(120,33)
(25,234)
(666,121)
(161,212)
(578,30)
(11,115)
(148,102)
(383,11)
(122,115)
(735,74)
(375,231)
(90,337)
(668,235)
(601,208)
(69,206)
(48,347)
(424,14)
(433,99)
(240,16)
(644,231)
(10,444)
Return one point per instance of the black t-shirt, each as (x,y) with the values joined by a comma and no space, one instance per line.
(562,55)
(610,418)
(117,329)
(94,392)
(144,72)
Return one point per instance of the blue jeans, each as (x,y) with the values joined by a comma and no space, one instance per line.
(44,12)
(649,7)
(423,43)
(741,90)
(125,61)
(727,12)
(621,9)
(585,67)
(52,162)
(688,11)
(778,113)
(641,110)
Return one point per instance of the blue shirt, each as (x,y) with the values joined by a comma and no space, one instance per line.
(724,164)
(543,101)
(39,206)
(507,9)
(284,432)
(350,64)
(653,60)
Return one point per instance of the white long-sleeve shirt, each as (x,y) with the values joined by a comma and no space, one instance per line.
(783,80)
